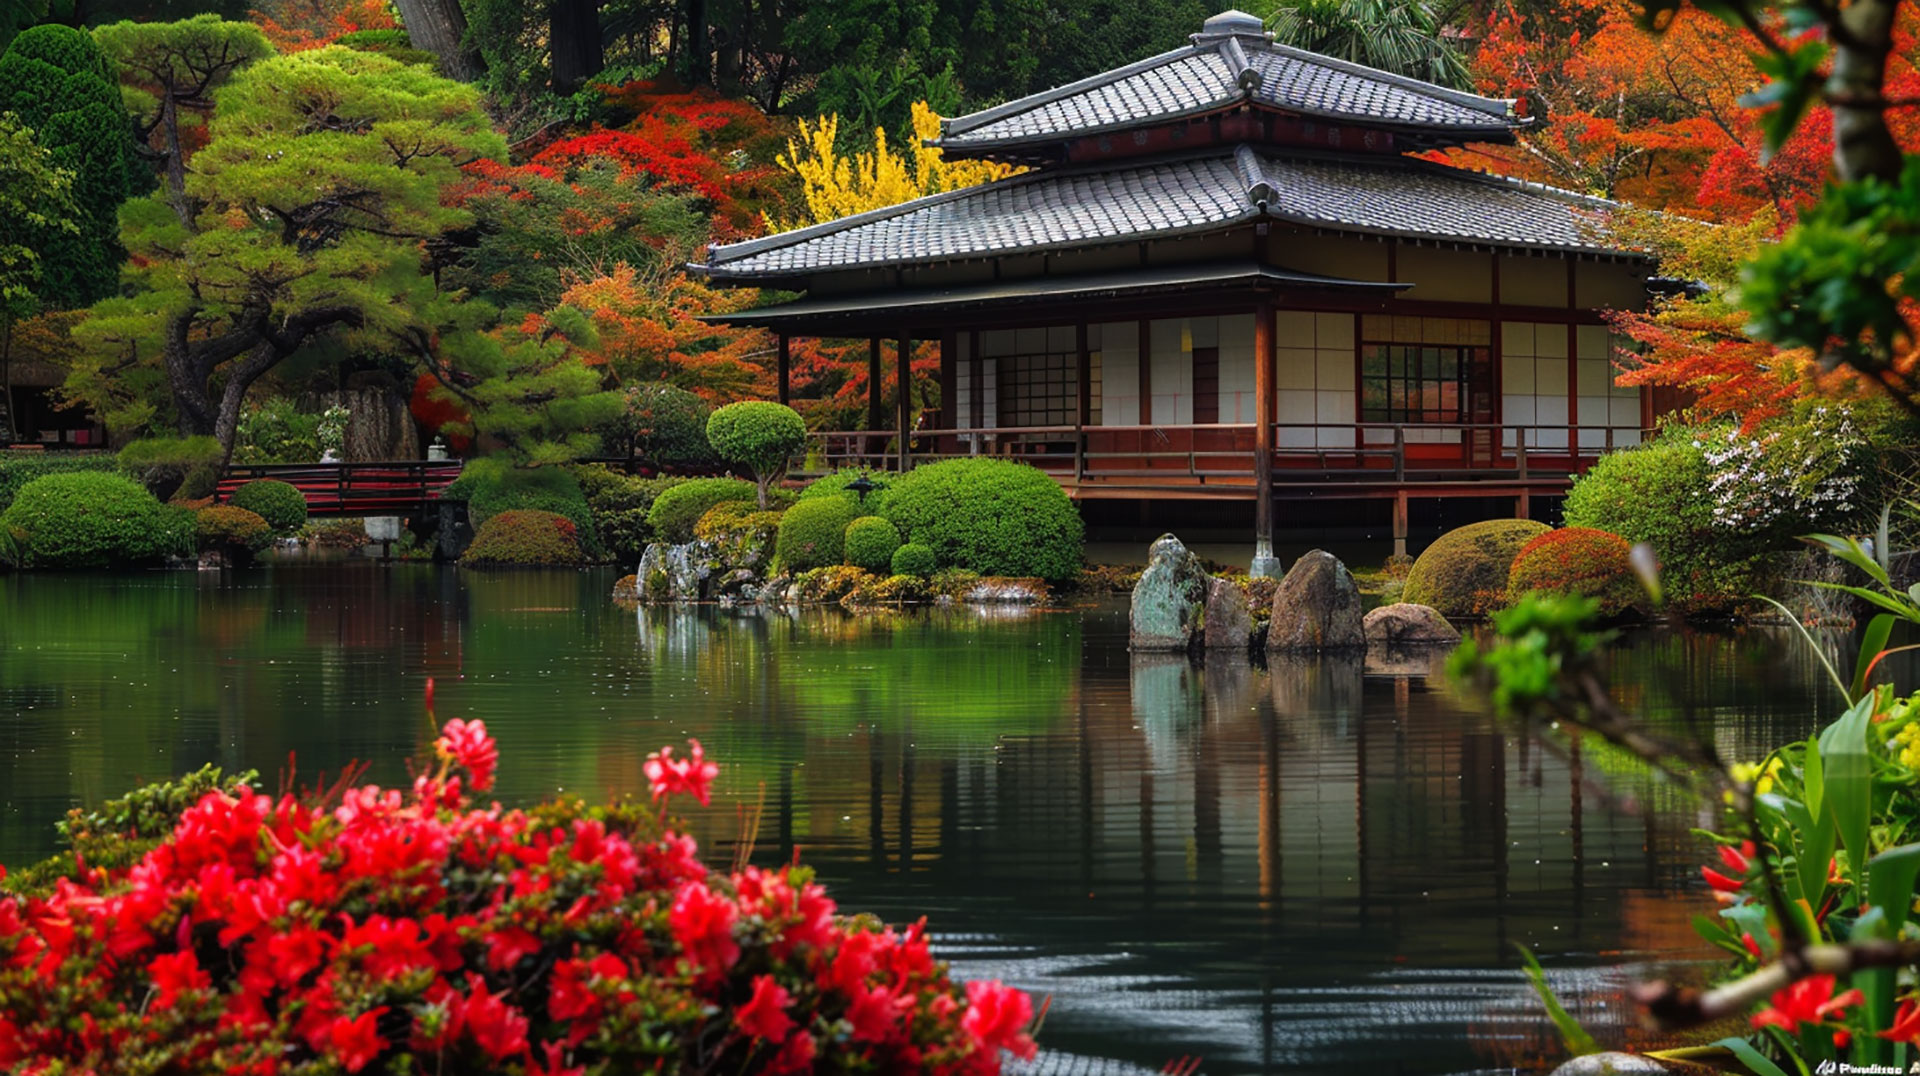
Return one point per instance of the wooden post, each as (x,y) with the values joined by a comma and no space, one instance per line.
(875,412)
(1400,523)
(785,370)
(1265,356)
(903,389)
(1084,413)
(1146,372)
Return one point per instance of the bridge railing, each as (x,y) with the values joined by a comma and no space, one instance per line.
(387,487)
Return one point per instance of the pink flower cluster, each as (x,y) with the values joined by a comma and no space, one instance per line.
(422,934)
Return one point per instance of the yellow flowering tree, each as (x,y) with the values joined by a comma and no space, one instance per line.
(836,185)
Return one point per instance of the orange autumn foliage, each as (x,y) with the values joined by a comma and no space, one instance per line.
(299,25)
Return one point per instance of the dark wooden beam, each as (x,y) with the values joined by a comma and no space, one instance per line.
(876,413)
(1146,372)
(903,389)
(1265,358)
(785,370)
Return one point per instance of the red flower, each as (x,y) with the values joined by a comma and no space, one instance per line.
(795,1056)
(702,925)
(555,1064)
(173,973)
(467,743)
(997,1017)
(692,775)
(1807,1001)
(355,1043)
(495,1026)
(1906,1024)
(764,1015)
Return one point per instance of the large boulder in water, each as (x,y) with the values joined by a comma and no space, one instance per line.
(1228,621)
(1316,607)
(1405,625)
(1170,600)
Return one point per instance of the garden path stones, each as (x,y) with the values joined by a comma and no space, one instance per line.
(1316,607)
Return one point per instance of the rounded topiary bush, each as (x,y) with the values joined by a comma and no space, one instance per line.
(1464,572)
(812,532)
(870,542)
(914,559)
(1577,560)
(760,435)
(87,519)
(678,508)
(526,538)
(223,526)
(492,486)
(282,505)
(995,517)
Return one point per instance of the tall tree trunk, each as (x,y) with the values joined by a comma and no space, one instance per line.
(1863,145)
(6,386)
(574,35)
(440,27)
(699,45)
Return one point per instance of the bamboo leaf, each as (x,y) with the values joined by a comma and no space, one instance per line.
(1578,1040)
(1751,1057)
(1812,643)
(1849,783)
(1890,879)
(1872,642)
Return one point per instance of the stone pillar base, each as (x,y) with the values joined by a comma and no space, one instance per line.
(1265,564)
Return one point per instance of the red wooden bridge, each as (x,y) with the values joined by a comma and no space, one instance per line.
(387,488)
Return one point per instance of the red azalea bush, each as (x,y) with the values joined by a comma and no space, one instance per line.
(1577,560)
(373,930)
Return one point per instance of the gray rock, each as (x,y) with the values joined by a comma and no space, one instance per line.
(675,573)
(1228,621)
(1001,590)
(1316,607)
(735,583)
(1405,625)
(1170,600)
(1614,1063)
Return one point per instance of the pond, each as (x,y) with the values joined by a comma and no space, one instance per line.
(1315,867)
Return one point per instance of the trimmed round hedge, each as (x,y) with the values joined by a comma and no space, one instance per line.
(282,505)
(835,484)
(493,486)
(870,542)
(676,509)
(1464,572)
(995,517)
(87,519)
(915,560)
(812,534)
(759,434)
(525,538)
(1577,560)
(222,526)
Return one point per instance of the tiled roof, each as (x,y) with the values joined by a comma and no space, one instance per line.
(1232,61)
(1100,205)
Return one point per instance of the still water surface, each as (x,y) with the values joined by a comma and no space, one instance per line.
(1315,867)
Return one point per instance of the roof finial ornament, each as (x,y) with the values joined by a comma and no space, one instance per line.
(1230,23)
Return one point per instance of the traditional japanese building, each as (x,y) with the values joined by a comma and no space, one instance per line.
(1225,275)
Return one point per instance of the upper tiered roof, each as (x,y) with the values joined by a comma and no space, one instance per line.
(1231,63)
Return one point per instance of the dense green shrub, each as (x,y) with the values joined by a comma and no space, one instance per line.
(19,468)
(90,520)
(1577,560)
(170,467)
(760,435)
(57,82)
(870,542)
(1464,572)
(275,431)
(1660,493)
(678,508)
(836,483)
(525,538)
(914,559)
(394,43)
(665,424)
(281,504)
(223,526)
(890,590)
(741,534)
(829,583)
(995,517)
(492,486)
(620,505)
(812,533)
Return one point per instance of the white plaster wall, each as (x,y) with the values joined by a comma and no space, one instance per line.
(963,381)
(1120,374)
(1237,362)
(1313,377)
(1172,370)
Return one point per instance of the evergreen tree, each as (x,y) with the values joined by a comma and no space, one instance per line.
(57,82)
(36,210)
(304,218)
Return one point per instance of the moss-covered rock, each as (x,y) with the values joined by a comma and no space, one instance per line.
(830,583)
(1464,572)
(740,534)
(889,590)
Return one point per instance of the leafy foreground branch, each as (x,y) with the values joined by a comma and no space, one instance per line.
(1817,892)
(205,927)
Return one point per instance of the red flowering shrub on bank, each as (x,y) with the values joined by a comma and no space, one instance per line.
(1577,560)
(376,930)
